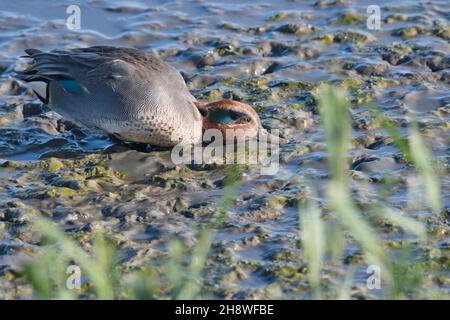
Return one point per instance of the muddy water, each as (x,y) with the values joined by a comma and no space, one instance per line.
(270,54)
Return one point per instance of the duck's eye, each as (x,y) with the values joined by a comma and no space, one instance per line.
(239,117)
(220,116)
(204,112)
(244,119)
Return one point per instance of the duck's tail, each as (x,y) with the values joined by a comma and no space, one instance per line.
(46,67)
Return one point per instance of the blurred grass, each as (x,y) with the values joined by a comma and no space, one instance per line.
(313,239)
(47,272)
(422,160)
(98,269)
(335,114)
(415,152)
(180,276)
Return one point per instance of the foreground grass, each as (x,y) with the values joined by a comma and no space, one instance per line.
(335,113)
(323,243)
(181,278)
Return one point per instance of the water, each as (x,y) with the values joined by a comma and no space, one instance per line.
(269,54)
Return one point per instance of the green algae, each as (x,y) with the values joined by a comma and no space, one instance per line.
(55,165)
(97,171)
(12,165)
(351,37)
(294,86)
(42,193)
(409,32)
(350,18)
(4,121)
(276,202)
(326,39)
(280,16)
(290,274)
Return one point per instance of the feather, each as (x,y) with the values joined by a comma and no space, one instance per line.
(40,88)
(71,86)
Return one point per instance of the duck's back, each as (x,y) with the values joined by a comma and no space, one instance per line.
(133,95)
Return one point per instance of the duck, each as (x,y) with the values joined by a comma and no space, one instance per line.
(131,95)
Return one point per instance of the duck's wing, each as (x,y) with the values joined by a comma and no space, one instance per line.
(109,88)
(58,65)
(80,63)
(84,68)
(66,67)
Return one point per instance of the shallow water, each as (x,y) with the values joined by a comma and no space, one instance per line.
(270,54)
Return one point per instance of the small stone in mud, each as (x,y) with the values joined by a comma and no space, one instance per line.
(276,49)
(445,76)
(31,109)
(126,8)
(352,37)
(374,165)
(408,32)
(437,61)
(276,202)
(180,205)
(152,233)
(281,16)
(305,52)
(11,164)
(326,39)
(44,122)
(392,18)
(378,69)
(395,58)
(232,96)
(329,3)
(55,165)
(4,121)
(209,59)
(10,87)
(201,81)
(350,18)
(288,28)
(442,32)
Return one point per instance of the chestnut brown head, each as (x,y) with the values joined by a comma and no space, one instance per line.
(232,118)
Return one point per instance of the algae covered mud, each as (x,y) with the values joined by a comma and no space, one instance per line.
(273,55)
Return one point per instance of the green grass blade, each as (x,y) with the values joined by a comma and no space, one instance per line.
(421,157)
(98,276)
(313,240)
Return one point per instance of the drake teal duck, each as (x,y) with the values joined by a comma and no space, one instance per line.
(132,95)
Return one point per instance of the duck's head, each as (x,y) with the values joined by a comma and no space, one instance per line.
(234,119)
